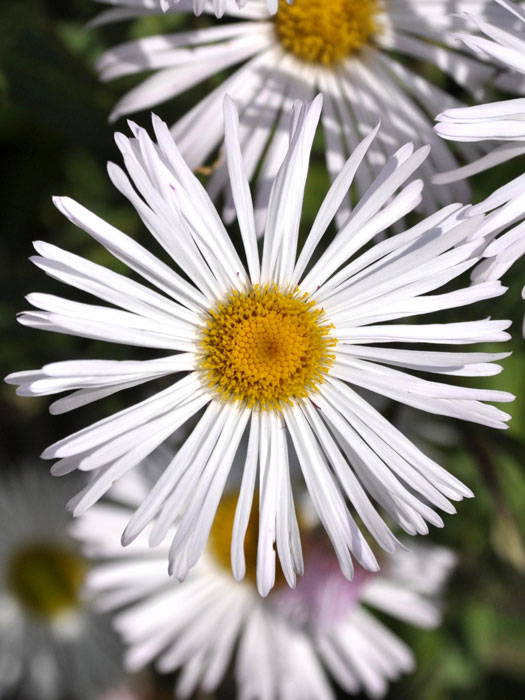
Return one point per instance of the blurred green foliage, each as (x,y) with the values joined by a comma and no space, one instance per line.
(55,140)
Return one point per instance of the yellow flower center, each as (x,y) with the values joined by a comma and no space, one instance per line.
(266,348)
(219,541)
(46,579)
(325,31)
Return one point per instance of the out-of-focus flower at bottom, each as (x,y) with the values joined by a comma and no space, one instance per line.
(289,645)
(52,645)
(139,686)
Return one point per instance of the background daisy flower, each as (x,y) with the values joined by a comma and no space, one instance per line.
(496,121)
(345,49)
(285,646)
(277,347)
(52,644)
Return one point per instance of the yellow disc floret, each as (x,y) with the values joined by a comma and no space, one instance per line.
(325,31)
(219,542)
(266,347)
(46,579)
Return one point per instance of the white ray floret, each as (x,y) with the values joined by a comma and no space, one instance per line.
(52,643)
(239,332)
(360,85)
(324,629)
(496,121)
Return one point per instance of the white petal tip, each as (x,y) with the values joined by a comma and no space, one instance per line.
(156,120)
(127,538)
(372,566)
(228,103)
(263,591)
(239,574)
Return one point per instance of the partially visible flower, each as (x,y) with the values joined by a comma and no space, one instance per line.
(346,49)
(275,346)
(52,645)
(496,121)
(285,646)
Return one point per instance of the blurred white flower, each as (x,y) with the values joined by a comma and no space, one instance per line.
(273,346)
(283,646)
(496,121)
(346,49)
(218,6)
(52,644)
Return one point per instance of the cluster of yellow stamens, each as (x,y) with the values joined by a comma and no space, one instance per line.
(219,541)
(220,538)
(46,579)
(326,31)
(266,347)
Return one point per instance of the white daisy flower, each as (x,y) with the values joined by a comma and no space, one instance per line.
(288,645)
(496,121)
(52,645)
(276,347)
(345,49)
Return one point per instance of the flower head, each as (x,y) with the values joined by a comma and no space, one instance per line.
(345,49)
(266,347)
(268,355)
(287,645)
(47,629)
